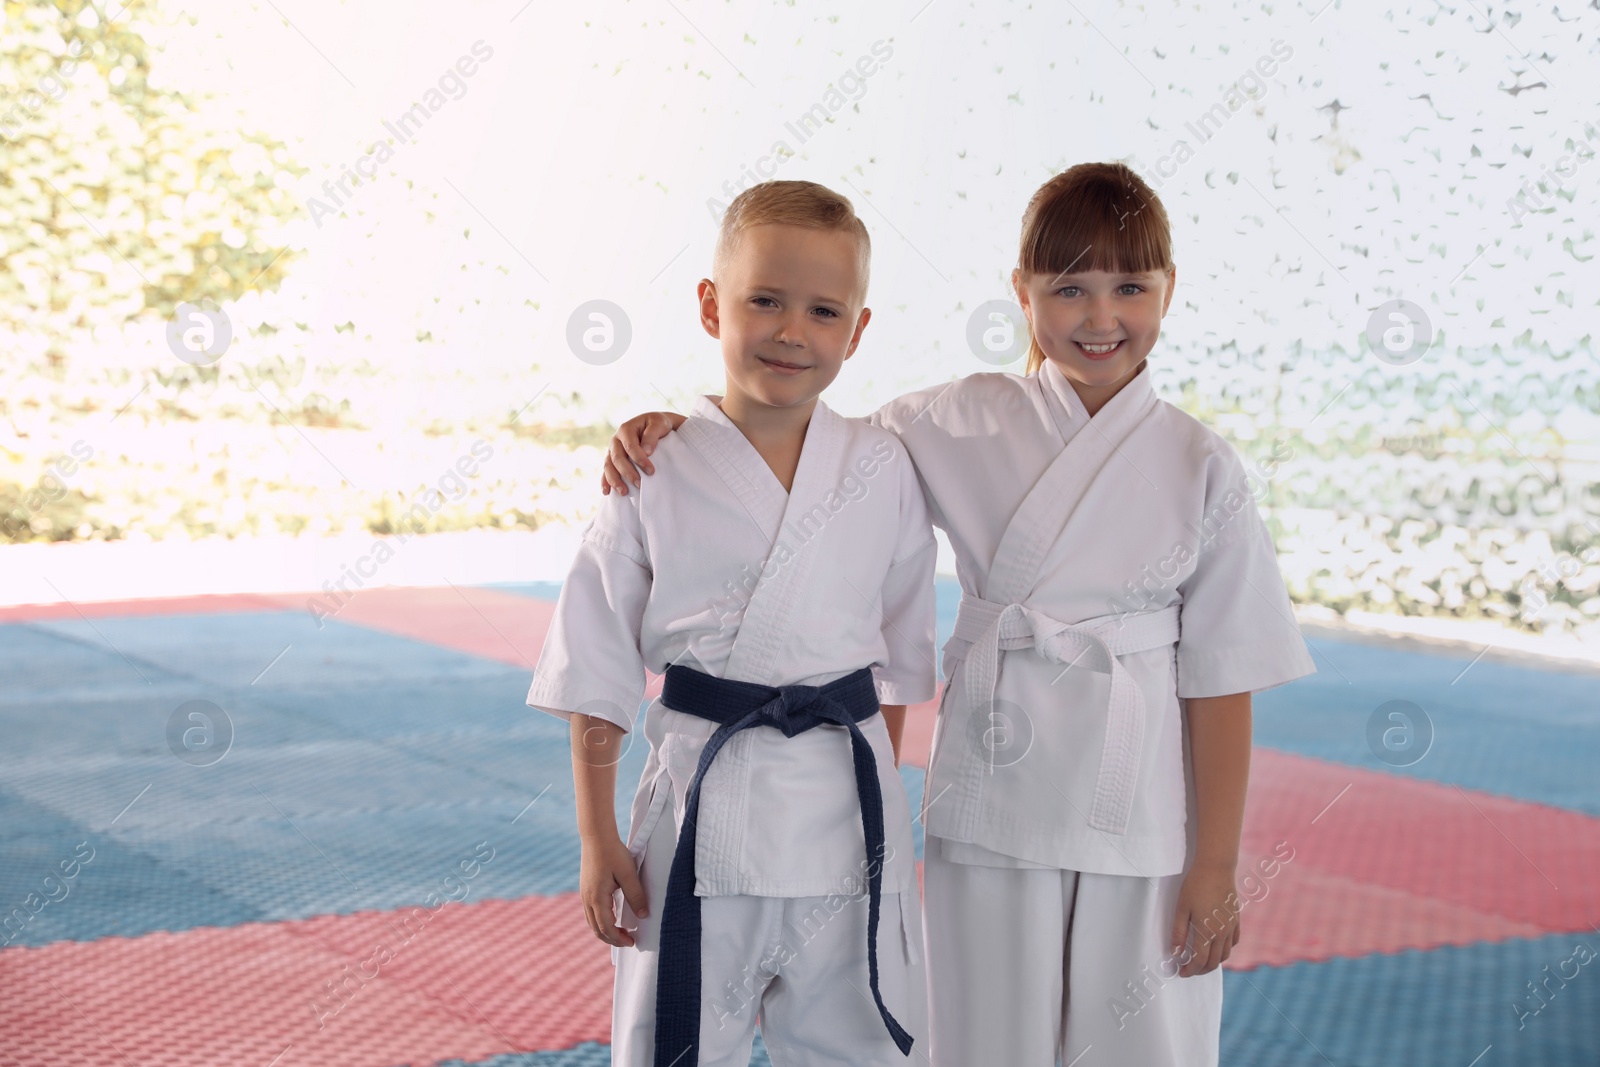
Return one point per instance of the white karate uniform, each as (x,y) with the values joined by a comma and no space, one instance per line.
(711,565)
(1110,570)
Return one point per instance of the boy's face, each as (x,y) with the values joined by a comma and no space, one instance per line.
(1095,308)
(788,311)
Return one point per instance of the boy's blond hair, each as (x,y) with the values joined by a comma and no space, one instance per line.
(792,203)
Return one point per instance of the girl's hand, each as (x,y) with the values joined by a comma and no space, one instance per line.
(606,866)
(631,446)
(1208,908)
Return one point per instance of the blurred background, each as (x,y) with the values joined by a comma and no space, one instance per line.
(386,314)
(285,286)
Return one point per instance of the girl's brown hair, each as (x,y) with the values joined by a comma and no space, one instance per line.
(1094,216)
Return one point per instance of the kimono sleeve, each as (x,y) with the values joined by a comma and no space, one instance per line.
(591,663)
(1237,632)
(899,416)
(907,675)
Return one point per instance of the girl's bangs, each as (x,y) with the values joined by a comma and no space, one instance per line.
(1100,229)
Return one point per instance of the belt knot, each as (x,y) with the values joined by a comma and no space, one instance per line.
(792,710)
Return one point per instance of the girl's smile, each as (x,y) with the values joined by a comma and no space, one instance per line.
(1098,351)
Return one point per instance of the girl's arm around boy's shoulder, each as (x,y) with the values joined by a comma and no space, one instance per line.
(899,414)
(629,456)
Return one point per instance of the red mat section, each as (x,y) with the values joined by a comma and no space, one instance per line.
(211,604)
(480,622)
(1307,914)
(1381,862)
(917,741)
(1391,863)
(1524,861)
(470,981)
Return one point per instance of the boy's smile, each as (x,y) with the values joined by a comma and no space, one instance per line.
(781,366)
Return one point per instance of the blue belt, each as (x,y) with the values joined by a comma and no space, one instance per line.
(738,706)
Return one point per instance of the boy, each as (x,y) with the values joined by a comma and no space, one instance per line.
(782,579)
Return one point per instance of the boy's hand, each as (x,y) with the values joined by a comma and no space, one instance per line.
(606,866)
(631,446)
(1208,907)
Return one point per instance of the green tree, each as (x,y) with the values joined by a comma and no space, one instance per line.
(119,198)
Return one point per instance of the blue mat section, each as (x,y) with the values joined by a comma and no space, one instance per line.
(354,792)
(537,590)
(269,651)
(340,791)
(364,763)
(914,777)
(53,888)
(42,667)
(1439,1008)
(1511,730)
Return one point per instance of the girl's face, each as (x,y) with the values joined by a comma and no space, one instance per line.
(1096,327)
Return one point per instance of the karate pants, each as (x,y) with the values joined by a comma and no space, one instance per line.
(800,962)
(1028,965)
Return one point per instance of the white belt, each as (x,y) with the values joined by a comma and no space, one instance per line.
(988,628)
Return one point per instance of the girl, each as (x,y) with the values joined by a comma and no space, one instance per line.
(1120,601)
